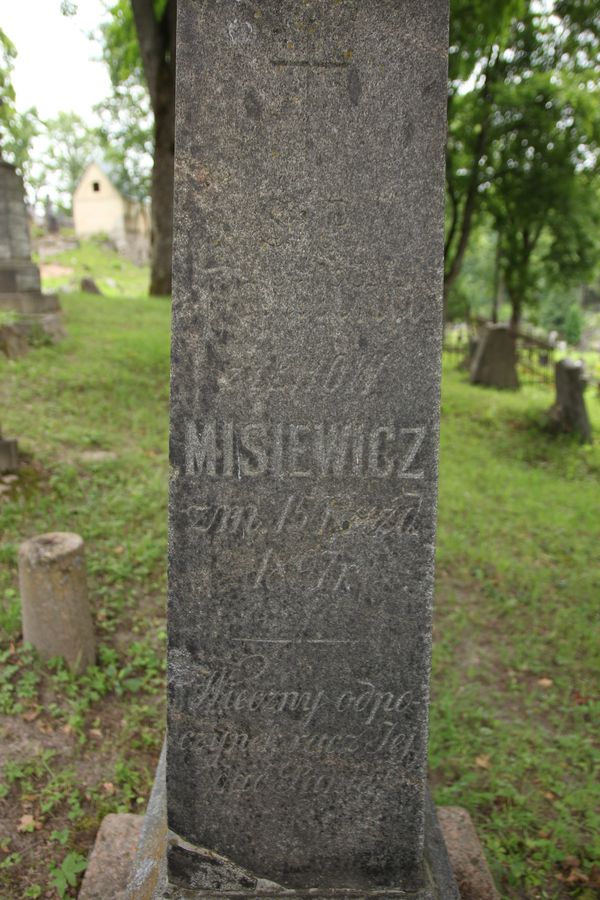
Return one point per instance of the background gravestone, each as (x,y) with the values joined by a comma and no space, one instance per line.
(494,362)
(19,277)
(569,413)
(304,438)
(9,455)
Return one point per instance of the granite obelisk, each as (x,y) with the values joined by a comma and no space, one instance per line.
(306,353)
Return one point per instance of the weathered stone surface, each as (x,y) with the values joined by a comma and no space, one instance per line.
(569,413)
(19,276)
(467,858)
(14,229)
(495,360)
(304,435)
(54,598)
(111,862)
(149,875)
(30,303)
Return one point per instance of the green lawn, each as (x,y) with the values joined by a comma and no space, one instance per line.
(512,733)
(115,275)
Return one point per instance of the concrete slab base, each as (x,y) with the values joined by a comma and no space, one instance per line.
(148,876)
(111,862)
(128,861)
(467,858)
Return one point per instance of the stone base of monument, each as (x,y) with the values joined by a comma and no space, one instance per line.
(471,871)
(148,880)
(110,864)
(36,313)
(128,861)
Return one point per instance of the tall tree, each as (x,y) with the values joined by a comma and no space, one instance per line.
(8,52)
(139,46)
(126,138)
(500,54)
(544,153)
(479,35)
(17,130)
(69,145)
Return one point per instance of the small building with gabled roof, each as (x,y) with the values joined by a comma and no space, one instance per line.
(99,207)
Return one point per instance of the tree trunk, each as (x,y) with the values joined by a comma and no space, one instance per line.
(515,317)
(455,265)
(162,184)
(498,287)
(158,47)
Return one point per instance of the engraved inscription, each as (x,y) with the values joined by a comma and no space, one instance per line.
(241,759)
(307,514)
(343,371)
(228,450)
(224,519)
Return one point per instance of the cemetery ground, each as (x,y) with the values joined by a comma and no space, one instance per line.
(514,712)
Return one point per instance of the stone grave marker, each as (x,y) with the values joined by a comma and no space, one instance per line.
(494,362)
(9,455)
(306,361)
(20,290)
(569,412)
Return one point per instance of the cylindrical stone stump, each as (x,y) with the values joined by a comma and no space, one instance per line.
(55,608)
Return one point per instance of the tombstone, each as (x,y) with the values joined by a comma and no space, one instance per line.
(569,413)
(495,361)
(19,277)
(306,363)
(89,286)
(9,455)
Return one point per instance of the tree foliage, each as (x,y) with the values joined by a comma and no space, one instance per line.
(17,130)
(8,52)
(125,137)
(138,40)
(69,146)
(523,141)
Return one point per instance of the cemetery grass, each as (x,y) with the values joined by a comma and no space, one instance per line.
(515,656)
(514,717)
(91,416)
(95,258)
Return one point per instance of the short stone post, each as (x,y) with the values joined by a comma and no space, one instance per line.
(55,608)
(569,413)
